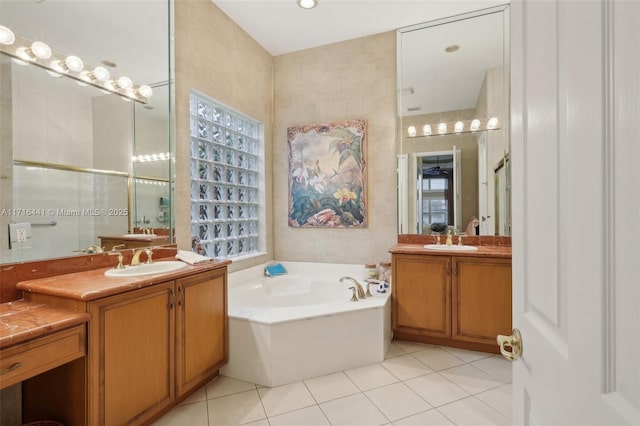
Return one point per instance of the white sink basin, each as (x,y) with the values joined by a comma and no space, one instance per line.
(139,235)
(146,269)
(455,247)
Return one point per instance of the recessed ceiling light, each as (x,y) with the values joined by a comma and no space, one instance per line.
(307,4)
(452,48)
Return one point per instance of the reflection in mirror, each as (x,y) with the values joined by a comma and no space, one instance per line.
(453,98)
(66,148)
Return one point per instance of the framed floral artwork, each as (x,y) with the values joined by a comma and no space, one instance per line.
(327,175)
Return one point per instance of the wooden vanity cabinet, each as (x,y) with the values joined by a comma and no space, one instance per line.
(421,295)
(481,295)
(202,327)
(150,347)
(131,372)
(460,301)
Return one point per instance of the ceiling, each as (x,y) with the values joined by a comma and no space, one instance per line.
(433,81)
(280,26)
(127,32)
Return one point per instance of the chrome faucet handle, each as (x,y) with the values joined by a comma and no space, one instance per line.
(120,259)
(354,298)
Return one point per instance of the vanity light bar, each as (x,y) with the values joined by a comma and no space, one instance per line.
(148,158)
(454,128)
(26,52)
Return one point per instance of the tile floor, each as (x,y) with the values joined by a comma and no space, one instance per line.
(416,385)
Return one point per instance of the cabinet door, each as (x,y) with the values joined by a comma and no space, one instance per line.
(201,327)
(132,352)
(481,299)
(421,295)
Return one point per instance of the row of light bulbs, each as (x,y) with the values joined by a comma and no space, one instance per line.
(147,158)
(468,126)
(26,52)
(150,182)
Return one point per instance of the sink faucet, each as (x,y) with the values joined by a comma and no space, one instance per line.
(361,294)
(93,249)
(135,260)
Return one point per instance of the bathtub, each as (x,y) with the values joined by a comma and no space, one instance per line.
(303,324)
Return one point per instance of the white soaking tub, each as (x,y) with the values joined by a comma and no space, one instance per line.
(303,324)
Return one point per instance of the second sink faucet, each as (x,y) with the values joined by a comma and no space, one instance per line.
(361,294)
(135,260)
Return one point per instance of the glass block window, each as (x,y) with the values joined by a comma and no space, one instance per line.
(225,158)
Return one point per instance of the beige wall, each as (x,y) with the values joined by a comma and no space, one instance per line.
(352,79)
(216,57)
(347,80)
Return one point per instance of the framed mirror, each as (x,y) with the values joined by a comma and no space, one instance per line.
(453,101)
(83,155)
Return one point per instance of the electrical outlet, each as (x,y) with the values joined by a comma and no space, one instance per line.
(22,235)
(19,235)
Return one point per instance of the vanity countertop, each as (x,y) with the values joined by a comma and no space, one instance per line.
(21,321)
(483,251)
(93,284)
(141,237)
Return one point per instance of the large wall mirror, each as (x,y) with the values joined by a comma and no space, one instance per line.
(453,101)
(77,161)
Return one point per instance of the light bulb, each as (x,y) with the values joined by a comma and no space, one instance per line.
(57,66)
(442,128)
(307,4)
(459,126)
(74,63)
(85,76)
(40,50)
(475,125)
(101,74)
(412,131)
(7,37)
(23,54)
(154,157)
(426,129)
(80,83)
(493,122)
(145,91)
(125,82)
(54,74)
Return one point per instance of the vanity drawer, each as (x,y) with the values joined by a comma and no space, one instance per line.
(23,361)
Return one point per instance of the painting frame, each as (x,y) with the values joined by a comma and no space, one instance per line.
(328,175)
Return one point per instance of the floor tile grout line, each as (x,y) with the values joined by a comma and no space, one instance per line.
(316,402)
(493,408)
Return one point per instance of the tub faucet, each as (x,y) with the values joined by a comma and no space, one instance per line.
(361,294)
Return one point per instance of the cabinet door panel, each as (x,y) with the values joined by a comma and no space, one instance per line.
(202,327)
(421,293)
(134,336)
(481,299)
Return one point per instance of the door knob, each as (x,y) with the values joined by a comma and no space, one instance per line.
(514,342)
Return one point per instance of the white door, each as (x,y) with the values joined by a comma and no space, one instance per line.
(457,189)
(576,211)
(483,187)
